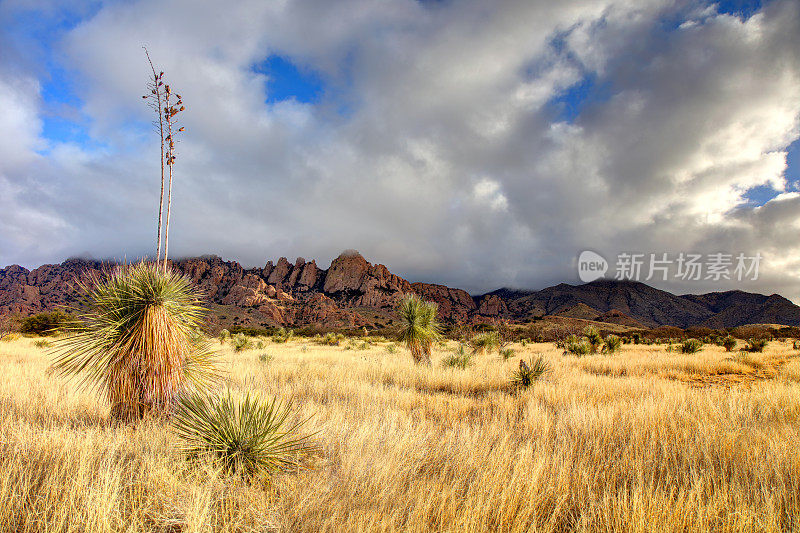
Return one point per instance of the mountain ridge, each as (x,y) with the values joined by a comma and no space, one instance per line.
(353,292)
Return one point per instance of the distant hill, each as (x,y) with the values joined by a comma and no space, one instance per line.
(353,292)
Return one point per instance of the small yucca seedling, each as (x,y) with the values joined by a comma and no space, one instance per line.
(594,338)
(755,345)
(249,437)
(506,353)
(729,343)
(460,358)
(526,374)
(691,346)
(612,344)
(483,342)
(241,342)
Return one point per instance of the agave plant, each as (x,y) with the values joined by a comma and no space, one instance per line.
(249,437)
(137,341)
(420,327)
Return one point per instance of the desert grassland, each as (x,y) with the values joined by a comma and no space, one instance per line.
(637,441)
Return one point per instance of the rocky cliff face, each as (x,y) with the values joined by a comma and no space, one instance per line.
(353,292)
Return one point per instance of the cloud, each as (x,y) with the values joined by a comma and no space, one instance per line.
(437,145)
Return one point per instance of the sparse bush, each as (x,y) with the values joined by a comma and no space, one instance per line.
(282,335)
(224,335)
(796,345)
(460,358)
(330,339)
(41,343)
(729,343)
(265,357)
(755,345)
(691,346)
(524,342)
(594,338)
(612,344)
(250,437)
(506,353)
(526,374)
(391,348)
(241,342)
(45,323)
(577,346)
(483,342)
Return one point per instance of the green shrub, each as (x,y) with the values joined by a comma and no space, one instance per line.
(755,345)
(526,374)
(249,437)
(391,348)
(576,346)
(612,344)
(691,346)
(729,343)
(45,323)
(506,353)
(460,358)
(265,357)
(41,343)
(224,335)
(240,342)
(594,338)
(483,342)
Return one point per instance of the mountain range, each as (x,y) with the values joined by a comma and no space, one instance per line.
(353,293)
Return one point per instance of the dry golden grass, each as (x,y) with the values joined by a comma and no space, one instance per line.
(604,443)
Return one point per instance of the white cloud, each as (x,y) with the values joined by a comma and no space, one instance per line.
(449,163)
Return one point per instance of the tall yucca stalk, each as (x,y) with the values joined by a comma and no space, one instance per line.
(420,329)
(138,342)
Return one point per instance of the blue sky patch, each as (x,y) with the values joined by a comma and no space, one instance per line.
(287,81)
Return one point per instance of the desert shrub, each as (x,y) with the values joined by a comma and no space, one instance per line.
(224,335)
(612,344)
(250,331)
(391,348)
(796,345)
(420,328)
(594,338)
(45,323)
(304,348)
(41,343)
(577,346)
(241,342)
(526,374)
(506,353)
(483,342)
(691,346)
(460,358)
(755,345)
(138,342)
(636,338)
(265,357)
(8,337)
(282,335)
(330,339)
(729,343)
(249,437)
(524,342)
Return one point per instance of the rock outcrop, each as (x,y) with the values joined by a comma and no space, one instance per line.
(353,292)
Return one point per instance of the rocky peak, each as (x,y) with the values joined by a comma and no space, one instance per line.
(346,272)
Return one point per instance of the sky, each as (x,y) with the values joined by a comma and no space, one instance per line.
(479,144)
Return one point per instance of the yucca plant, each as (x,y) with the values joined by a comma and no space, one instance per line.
(691,346)
(755,345)
(612,344)
(137,340)
(460,358)
(484,342)
(248,437)
(420,329)
(729,343)
(526,374)
(594,338)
